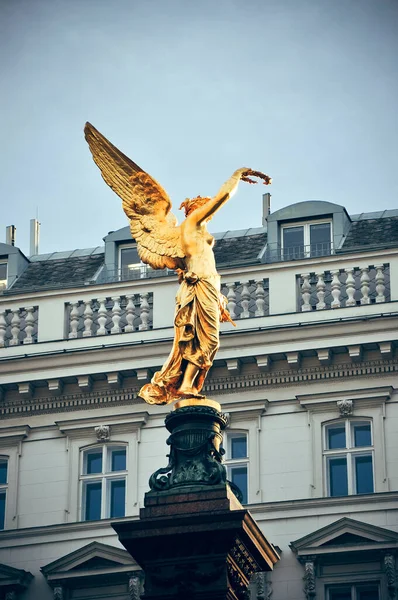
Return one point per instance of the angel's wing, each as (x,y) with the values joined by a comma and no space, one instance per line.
(145,202)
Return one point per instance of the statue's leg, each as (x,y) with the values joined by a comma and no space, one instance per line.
(187,386)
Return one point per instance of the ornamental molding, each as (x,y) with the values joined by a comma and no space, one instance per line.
(10,436)
(94,427)
(216,386)
(344,403)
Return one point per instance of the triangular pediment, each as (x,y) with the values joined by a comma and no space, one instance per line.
(92,558)
(345,535)
(15,577)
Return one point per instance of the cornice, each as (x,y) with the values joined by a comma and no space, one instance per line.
(216,386)
(118,423)
(365,397)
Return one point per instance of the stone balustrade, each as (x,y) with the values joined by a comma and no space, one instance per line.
(18,326)
(337,288)
(246,299)
(109,315)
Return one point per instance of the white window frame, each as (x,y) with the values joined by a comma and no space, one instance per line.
(3,282)
(105,477)
(354,588)
(237,462)
(307,236)
(141,266)
(4,488)
(350,452)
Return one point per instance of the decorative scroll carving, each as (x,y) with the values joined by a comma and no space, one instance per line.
(59,593)
(345,407)
(102,432)
(309,579)
(11,595)
(391,575)
(263,587)
(135,586)
(195,455)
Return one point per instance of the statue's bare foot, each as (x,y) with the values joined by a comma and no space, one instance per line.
(189,392)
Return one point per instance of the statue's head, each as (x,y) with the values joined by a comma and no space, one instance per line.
(190,204)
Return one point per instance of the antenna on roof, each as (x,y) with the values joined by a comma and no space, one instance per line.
(266,208)
(34,236)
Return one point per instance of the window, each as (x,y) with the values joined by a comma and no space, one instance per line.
(3,275)
(362,591)
(3,490)
(237,462)
(130,264)
(103,482)
(348,456)
(309,239)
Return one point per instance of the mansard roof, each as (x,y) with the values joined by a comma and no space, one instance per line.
(232,248)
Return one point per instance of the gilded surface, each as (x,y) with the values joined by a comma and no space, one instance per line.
(186,248)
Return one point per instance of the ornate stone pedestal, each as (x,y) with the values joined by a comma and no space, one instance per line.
(194,540)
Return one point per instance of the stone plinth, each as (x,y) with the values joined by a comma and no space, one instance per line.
(194,540)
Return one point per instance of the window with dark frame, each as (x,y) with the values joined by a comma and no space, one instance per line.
(349,457)
(306,240)
(103,482)
(130,265)
(358,591)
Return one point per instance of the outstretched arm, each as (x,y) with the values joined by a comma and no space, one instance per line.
(225,193)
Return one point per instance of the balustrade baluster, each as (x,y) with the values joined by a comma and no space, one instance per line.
(231,297)
(130,313)
(365,279)
(380,287)
(260,298)
(15,327)
(29,325)
(350,287)
(306,292)
(336,289)
(102,317)
(144,306)
(116,314)
(88,319)
(74,320)
(3,328)
(320,291)
(245,300)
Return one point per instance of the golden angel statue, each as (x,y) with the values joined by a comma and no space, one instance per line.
(186,248)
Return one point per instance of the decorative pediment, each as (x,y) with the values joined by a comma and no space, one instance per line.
(14,579)
(95,559)
(345,535)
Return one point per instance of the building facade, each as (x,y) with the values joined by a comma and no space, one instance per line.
(308,378)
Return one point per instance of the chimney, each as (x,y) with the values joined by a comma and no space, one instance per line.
(266,208)
(11,231)
(34,237)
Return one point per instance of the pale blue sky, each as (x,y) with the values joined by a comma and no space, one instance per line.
(305,90)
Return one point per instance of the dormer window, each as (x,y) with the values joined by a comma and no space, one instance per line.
(130,265)
(304,240)
(3,275)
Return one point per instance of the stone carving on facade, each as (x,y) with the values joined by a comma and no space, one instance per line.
(102,432)
(263,587)
(135,586)
(345,407)
(59,593)
(11,595)
(391,575)
(309,580)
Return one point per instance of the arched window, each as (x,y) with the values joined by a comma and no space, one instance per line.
(348,457)
(103,482)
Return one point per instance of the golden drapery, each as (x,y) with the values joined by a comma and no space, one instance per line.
(199,309)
